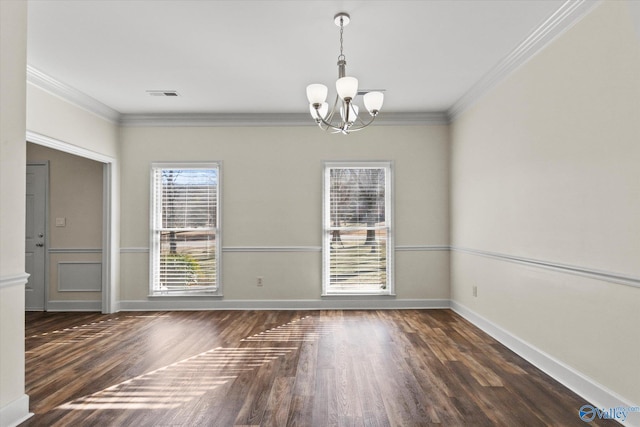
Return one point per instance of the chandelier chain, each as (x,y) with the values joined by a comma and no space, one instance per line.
(341,57)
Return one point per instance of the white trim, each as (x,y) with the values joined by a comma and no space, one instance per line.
(607,276)
(76,305)
(409,248)
(270,119)
(593,392)
(75,250)
(398,248)
(14,280)
(109,250)
(56,144)
(16,412)
(412,118)
(562,20)
(272,249)
(333,303)
(71,94)
(134,250)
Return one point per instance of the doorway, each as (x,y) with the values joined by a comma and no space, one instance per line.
(36,236)
(93,257)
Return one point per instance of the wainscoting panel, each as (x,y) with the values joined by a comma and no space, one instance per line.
(79,276)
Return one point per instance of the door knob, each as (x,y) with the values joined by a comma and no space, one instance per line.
(39,245)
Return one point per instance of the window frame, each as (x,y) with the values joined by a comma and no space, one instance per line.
(154,234)
(326,231)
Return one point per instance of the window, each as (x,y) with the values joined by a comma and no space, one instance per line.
(185,240)
(357,243)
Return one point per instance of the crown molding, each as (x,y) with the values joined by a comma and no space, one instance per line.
(269,119)
(213,119)
(562,20)
(413,118)
(71,94)
(84,101)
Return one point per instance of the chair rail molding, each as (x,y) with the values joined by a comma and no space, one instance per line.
(14,280)
(607,276)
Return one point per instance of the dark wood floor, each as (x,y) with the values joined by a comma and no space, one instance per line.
(282,368)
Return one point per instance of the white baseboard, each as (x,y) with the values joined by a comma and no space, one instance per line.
(74,306)
(594,393)
(15,412)
(334,303)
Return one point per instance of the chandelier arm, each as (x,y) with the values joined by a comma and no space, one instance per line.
(320,121)
(333,109)
(327,122)
(322,124)
(330,126)
(345,129)
(364,125)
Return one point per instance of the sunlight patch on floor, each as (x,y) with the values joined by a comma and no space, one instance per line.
(175,384)
(295,331)
(180,382)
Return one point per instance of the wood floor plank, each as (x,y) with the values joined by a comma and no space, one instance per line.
(277,410)
(282,368)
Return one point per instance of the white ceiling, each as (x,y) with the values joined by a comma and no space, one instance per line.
(258,56)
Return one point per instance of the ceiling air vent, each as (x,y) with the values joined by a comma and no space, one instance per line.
(162,93)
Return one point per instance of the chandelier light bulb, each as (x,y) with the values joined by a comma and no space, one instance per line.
(353,113)
(347,87)
(316,93)
(373,102)
(321,111)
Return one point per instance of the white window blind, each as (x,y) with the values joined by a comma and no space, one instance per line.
(357,245)
(185,245)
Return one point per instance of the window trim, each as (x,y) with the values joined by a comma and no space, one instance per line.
(218,229)
(389,211)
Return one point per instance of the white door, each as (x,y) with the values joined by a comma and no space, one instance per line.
(35,236)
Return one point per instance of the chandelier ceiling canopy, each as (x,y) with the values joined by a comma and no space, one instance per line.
(343,117)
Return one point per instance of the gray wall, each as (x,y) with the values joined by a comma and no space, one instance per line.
(272,198)
(545,168)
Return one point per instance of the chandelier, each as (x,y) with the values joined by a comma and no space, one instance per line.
(343,117)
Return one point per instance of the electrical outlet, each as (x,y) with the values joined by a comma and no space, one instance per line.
(475,291)
(259,281)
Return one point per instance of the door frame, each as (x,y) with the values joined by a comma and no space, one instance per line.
(109,213)
(45,163)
